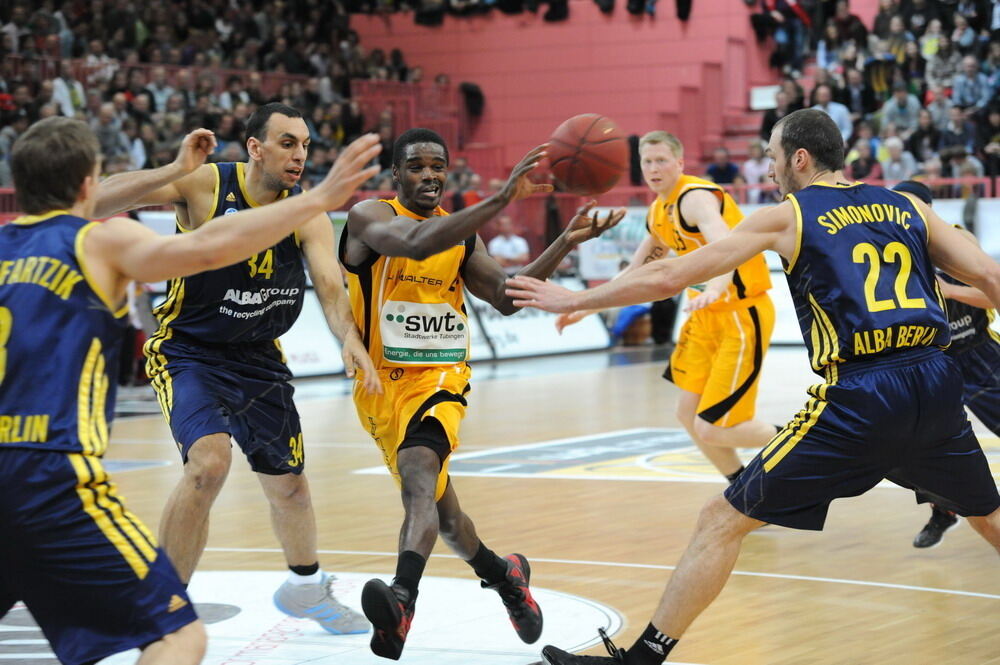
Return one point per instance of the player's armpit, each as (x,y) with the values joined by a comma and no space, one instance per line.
(961,259)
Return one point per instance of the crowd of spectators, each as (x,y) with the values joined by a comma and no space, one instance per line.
(144,74)
(916,94)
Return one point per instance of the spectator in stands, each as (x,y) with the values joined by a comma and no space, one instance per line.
(898,38)
(107,127)
(901,110)
(796,95)
(881,70)
(755,172)
(254,89)
(17,124)
(824,77)
(233,94)
(474,193)
(917,15)
(886,10)
(988,143)
(924,141)
(930,40)
(939,105)
(959,132)
(857,97)
(850,28)
(900,164)
(828,48)
(316,165)
(864,165)
(963,36)
(510,250)
(67,92)
(458,174)
(837,111)
(943,65)
(914,68)
(970,90)
(961,163)
(159,88)
(722,170)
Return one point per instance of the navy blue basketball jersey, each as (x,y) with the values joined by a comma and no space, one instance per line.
(59,339)
(256,300)
(861,277)
(970,326)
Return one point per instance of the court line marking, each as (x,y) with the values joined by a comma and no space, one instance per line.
(650,566)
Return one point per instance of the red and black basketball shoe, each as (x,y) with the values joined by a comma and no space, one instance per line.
(522,609)
(390,609)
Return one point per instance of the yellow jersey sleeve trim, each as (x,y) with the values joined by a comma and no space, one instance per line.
(213,211)
(27,220)
(122,309)
(927,227)
(798,234)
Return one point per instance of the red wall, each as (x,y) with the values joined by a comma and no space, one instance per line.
(644,72)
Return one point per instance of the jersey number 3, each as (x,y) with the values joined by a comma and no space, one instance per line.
(262,264)
(894,252)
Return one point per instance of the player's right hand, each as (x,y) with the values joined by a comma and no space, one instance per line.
(195,149)
(349,172)
(569,318)
(518,186)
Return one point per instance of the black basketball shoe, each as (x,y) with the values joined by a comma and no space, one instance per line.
(390,609)
(554,656)
(524,613)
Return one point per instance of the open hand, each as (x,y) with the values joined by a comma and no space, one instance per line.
(569,318)
(518,186)
(531,292)
(349,172)
(585,225)
(356,358)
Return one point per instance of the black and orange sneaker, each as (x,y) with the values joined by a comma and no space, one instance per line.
(390,609)
(522,609)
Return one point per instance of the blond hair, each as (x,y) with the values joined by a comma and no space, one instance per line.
(660,136)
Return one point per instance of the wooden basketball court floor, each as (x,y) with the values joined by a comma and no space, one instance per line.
(603,514)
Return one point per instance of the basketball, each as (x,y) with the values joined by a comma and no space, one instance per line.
(588,154)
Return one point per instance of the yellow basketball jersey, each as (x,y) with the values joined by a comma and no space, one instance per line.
(412,313)
(666,223)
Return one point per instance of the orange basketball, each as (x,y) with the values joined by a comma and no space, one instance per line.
(588,154)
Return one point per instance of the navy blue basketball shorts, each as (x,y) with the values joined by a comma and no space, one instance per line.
(900,418)
(980,368)
(240,390)
(87,569)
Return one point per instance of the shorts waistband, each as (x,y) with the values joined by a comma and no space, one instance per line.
(877,363)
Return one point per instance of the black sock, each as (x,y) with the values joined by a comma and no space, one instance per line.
(731,477)
(409,570)
(941,511)
(488,566)
(651,648)
(304,571)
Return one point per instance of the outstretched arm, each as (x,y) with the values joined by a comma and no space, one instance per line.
(486,278)
(960,258)
(966,294)
(373,224)
(165,185)
(317,247)
(768,228)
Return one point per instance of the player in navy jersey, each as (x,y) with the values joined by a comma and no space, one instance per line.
(87,569)
(976,349)
(217,367)
(860,265)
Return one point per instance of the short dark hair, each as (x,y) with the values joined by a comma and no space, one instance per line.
(418,135)
(257,124)
(816,133)
(49,163)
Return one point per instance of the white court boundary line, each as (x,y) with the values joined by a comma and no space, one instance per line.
(650,566)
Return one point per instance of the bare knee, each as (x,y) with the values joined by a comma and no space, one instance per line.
(208,463)
(988,526)
(418,473)
(708,433)
(719,520)
(185,646)
(289,491)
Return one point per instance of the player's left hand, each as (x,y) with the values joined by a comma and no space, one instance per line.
(531,292)
(195,149)
(356,358)
(703,299)
(585,225)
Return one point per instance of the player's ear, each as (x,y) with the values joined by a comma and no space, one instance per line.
(253,147)
(395,176)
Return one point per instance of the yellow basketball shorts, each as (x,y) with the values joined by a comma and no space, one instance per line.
(410,396)
(719,356)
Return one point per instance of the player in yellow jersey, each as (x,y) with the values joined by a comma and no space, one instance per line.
(408,262)
(721,348)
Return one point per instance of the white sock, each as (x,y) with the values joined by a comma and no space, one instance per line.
(315,578)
